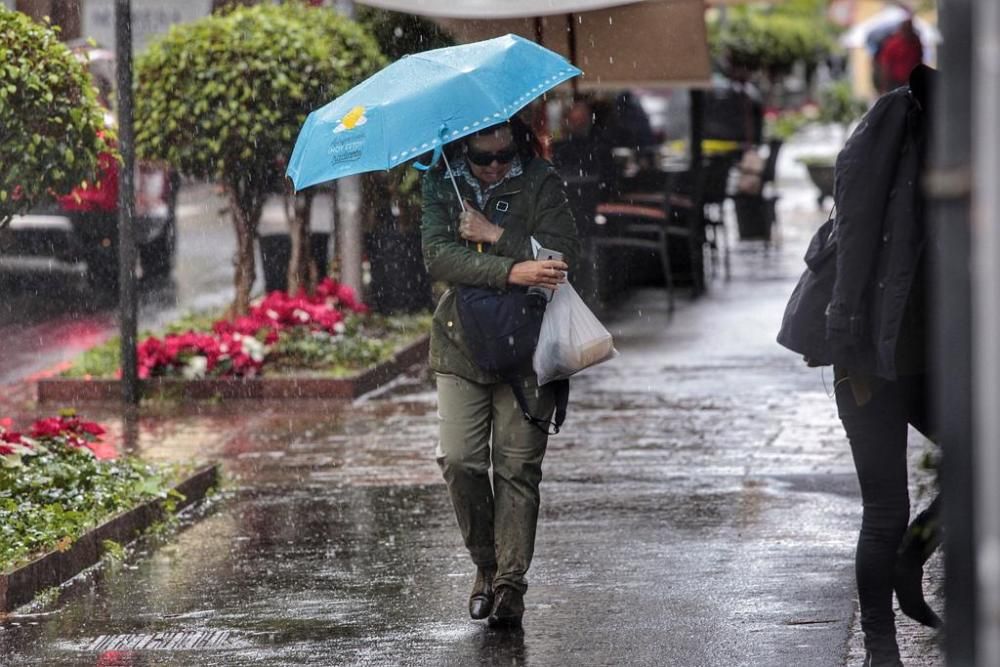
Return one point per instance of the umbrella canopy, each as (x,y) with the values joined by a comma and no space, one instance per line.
(421,102)
(652,43)
(867,32)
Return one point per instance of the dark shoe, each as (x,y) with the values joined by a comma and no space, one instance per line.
(481,600)
(878,660)
(919,542)
(508,608)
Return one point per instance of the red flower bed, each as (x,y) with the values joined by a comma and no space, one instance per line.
(70,431)
(195,354)
(239,347)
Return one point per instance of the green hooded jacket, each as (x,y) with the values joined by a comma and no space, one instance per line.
(532,204)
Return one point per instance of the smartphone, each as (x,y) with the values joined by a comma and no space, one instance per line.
(542,255)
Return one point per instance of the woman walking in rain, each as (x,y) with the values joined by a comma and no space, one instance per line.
(512,197)
(872,325)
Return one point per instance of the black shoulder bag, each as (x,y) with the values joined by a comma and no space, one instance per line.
(501,331)
(803,327)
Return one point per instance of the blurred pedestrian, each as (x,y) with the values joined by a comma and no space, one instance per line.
(583,153)
(629,125)
(897,55)
(512,196)
(863,305)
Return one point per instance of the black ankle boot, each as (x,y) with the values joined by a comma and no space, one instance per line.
(481,599)
(508,608)
(873,659)
(920,540)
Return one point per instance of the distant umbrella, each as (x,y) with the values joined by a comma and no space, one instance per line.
(870,32)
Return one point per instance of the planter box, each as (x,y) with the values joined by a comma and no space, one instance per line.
(754,217)
(20,586)
(822,176)
(74,390)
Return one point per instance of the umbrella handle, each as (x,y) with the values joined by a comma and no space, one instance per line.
(454,183)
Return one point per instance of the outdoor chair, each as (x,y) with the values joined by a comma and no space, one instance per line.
(637,226)
(715,193)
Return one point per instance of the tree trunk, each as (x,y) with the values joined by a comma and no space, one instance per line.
(299,274)
(246,210)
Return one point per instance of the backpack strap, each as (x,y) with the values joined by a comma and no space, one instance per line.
(561,388)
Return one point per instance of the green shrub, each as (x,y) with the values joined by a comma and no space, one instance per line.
(224,97)
(837,104)
(49,117)
(770,43)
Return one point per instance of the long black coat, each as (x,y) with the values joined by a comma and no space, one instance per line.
(880,235)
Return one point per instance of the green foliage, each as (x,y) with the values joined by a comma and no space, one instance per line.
(49,139)
(837,104)
(785,125)
(53,497)
(100,361)
(200,321)
(112,550)
(770,42)
(402,34)
(225,96)
(367,340)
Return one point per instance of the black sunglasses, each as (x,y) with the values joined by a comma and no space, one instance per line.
(482,159)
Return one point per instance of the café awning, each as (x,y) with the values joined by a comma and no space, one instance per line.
(652,43)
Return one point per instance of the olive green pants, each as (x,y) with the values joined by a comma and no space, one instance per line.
(497,521)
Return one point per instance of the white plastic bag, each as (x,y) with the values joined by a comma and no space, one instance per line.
(571,339)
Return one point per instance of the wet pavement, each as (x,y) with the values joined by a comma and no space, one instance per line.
(699,509)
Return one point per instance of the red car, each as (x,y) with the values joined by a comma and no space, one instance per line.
(82,227)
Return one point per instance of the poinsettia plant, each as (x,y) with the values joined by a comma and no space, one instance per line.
(51,435)
(239,347)
(60,478)
(329,332)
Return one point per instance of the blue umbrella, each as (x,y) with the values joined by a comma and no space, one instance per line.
(420,103)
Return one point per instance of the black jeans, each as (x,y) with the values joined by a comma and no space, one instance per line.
(877,432)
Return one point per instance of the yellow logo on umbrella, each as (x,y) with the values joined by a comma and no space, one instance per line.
(352,119)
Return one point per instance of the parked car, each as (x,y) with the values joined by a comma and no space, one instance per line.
(82,227)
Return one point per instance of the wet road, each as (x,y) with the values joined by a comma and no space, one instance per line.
(48,316)
(699,509)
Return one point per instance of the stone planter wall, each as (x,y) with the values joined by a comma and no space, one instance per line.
(21,585)
(72,391)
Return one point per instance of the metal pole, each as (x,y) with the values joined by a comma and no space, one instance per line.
(696,220)
(126,205)
(986,316)
(949,186)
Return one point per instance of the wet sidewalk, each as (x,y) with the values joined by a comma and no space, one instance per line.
(700,509)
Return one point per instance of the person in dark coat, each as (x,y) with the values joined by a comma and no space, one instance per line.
(863,306)
(583,154)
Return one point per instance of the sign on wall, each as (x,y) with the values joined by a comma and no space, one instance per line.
(150,18)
